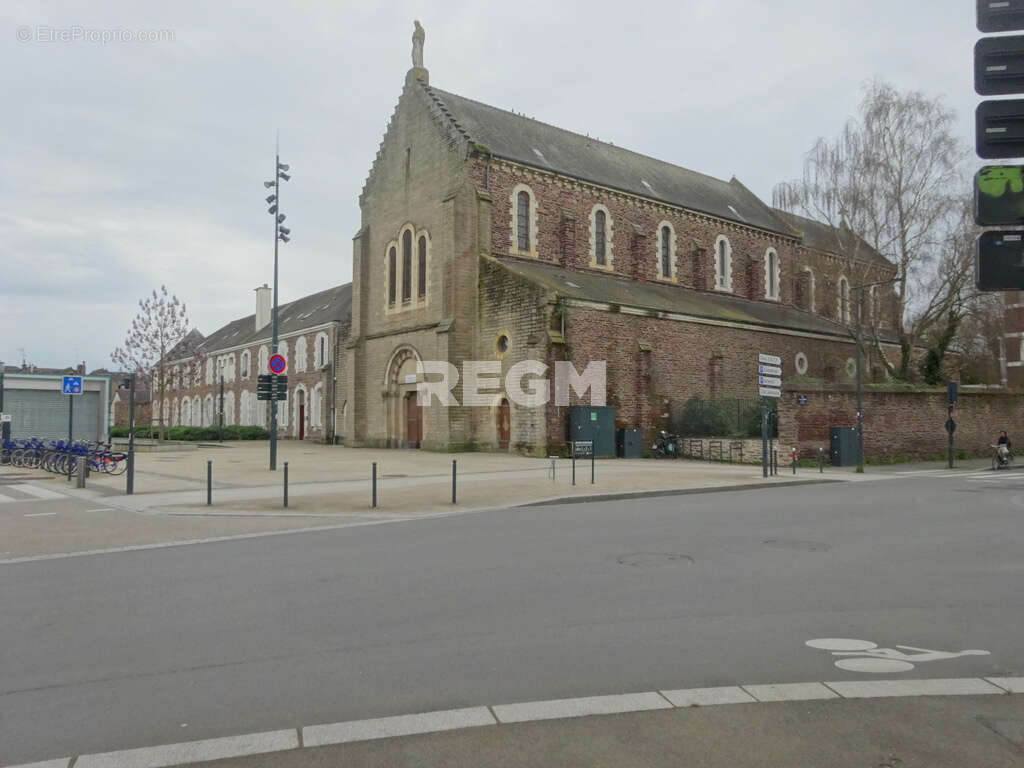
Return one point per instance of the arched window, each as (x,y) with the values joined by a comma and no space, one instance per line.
(229,408)
(723,264)
(321,350)
(392,267)
(244,364)
(406,265)
(665,246)
(264,358)
(301,355)
(523,221)
(771,274)
(600,255)
(208,420)
(316,405)
(843,301)
(282,410)
(209,371)
(421,269)
(602,240)
(186,412)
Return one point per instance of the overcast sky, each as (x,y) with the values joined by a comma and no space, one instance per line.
(131,164)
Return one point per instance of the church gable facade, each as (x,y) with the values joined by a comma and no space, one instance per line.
(489,236)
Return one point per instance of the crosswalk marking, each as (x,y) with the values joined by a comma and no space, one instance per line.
(40,493)
(23,492)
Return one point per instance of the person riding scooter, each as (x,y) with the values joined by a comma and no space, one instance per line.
(1003,449)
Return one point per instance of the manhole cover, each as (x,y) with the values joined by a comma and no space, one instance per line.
(652,559)
(798,545)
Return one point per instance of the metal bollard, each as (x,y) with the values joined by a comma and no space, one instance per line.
(373,494)
(821,460)
(453,481)
(286,485)
(83,468)
(551,472)
(209,483)
(794,462)
(593,454)
(574,467)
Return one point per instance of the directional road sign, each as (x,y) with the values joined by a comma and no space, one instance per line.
(769,359)
(71,385)
(4,417)
(277,363)
(769,370)
(999,129)
(769,392)
(769,381)
(1000,15)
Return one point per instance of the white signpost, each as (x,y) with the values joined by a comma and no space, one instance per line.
(769,384)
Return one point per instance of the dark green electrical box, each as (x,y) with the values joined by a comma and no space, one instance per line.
(596,423)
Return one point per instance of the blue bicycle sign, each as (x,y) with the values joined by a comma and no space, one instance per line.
(72,385)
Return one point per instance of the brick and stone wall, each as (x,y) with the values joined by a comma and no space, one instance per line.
(900,423)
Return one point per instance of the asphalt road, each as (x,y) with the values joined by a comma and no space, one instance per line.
(141,648)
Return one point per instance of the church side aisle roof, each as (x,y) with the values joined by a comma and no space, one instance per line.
(669,297)
(531,142)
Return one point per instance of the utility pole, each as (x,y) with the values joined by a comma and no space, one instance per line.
(5,427)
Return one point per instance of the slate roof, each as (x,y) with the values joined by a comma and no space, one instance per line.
(825,237)
(331,305)
(605,288)
(531,142)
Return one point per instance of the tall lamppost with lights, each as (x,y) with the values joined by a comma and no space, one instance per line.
(281,235)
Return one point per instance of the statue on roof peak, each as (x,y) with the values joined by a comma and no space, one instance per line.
(417,45)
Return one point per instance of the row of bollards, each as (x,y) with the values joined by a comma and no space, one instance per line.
(373,480)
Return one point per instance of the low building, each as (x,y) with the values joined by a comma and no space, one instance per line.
(38,408)
(311,331)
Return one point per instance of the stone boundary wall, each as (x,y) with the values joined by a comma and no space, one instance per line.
(911,423)
(700,447)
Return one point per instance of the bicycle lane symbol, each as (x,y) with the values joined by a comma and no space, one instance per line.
(865,656)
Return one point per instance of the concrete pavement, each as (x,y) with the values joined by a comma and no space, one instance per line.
(553,602)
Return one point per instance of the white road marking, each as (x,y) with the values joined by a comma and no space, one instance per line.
(403,725)
(588,705)
(790,692)
(429,722)
(40,493)
(870,689)
(40,514)
(866,656)
(194,751)
(1011,684)
(707,697)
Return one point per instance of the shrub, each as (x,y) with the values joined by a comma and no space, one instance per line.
(206,434)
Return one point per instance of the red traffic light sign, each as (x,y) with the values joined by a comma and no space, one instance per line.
(277,363)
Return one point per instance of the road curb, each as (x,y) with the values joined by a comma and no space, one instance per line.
(625,495)
(309,736)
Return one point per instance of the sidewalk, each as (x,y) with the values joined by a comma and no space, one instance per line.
(329,487)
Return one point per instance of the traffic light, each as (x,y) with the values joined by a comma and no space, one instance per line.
(999,135)
(1000,15)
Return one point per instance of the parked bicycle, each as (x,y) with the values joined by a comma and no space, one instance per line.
(62,457)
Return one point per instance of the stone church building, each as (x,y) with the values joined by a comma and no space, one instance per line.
(487,235)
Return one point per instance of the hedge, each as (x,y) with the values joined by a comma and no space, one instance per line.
(233,432)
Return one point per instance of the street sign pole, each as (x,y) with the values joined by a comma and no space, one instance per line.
(71,422)
(764,439)
(130,486)
(5,427)
(860,408)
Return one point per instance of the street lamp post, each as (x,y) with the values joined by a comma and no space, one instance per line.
(281,234)
(220,425)
(130,482)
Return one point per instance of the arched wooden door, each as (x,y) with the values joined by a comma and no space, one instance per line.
(413,421)
(504,425)
(301,396)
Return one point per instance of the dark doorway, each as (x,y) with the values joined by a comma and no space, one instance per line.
(413,421)
(504,425)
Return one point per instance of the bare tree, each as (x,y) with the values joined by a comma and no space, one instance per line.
(160,326)
(894,176)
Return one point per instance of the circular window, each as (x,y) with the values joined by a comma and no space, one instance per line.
(801,363)
(851,367)
(501,343)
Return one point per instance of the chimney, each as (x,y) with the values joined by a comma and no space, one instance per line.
(262,306)
(81,368)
